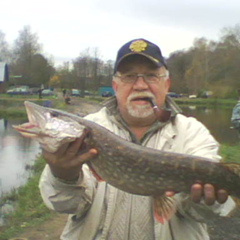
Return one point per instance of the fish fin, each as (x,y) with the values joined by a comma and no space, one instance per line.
(234,167)
(99,179)
(164,208)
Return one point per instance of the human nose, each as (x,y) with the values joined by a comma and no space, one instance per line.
(140,81)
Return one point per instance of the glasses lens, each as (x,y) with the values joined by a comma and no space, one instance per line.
(133,77)
(129,78)
(151,78)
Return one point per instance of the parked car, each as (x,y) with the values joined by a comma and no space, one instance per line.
(19,91)
(107,94)
(78,93)
(47,92)
(174,95)
(87,93)
(192,96)
(34,90)
(75,92)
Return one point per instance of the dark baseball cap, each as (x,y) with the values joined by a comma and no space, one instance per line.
(142,47)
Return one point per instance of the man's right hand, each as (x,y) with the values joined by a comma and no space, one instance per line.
(66,163)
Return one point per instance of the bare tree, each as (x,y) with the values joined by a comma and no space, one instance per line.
(26,46)
(5,54)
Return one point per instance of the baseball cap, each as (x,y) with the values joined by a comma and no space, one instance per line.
(142,47)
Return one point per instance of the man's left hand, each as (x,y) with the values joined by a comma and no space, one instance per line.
(207,192)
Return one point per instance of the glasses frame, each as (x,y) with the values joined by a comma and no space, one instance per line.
(138,75)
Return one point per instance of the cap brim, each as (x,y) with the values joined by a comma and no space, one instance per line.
(155,61)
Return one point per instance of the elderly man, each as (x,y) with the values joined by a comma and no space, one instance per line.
(97,210)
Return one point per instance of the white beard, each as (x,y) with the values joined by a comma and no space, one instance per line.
(139,111)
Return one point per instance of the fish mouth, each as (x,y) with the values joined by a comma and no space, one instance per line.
(28,130)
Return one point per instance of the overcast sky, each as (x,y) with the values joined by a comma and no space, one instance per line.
(66,28)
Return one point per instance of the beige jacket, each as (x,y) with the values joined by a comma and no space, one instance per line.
(100,211)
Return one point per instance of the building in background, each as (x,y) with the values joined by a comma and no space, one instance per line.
(4,76)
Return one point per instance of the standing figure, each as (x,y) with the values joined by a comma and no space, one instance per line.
(235,119)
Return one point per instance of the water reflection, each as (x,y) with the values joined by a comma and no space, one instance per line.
(16,153)
(217,120)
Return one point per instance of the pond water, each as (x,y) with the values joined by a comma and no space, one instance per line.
(17,154)
(217,120)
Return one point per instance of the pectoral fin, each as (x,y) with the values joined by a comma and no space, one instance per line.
(99,179)
(164,208)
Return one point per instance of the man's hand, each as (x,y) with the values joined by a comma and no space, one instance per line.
(207,192)
(66,163)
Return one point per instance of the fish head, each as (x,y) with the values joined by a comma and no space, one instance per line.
(50,128)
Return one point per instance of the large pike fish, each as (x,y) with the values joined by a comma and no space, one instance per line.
(128,166)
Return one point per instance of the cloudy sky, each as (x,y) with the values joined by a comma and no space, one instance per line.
(67,28)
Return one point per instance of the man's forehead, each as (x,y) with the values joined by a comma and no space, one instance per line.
(136,61)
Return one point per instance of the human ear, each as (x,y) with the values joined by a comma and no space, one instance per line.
(114,85)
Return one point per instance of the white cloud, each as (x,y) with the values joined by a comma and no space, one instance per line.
(66,28)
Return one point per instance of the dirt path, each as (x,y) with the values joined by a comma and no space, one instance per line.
(226,229)
(49,230)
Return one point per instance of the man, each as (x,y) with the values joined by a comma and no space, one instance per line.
(100,211)
(235,119)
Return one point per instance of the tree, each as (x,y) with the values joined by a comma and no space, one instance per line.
(25,48)
(178,63)
(41,70)
(5,54)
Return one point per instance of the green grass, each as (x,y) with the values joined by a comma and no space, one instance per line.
(230,153)
(30,208)
(210,102)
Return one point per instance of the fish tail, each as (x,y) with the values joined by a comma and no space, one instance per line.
(164,208)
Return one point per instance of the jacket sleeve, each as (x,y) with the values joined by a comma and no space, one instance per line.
(198,141)
(68,198)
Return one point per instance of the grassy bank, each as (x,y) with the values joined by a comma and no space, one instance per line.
(31,210)
(209,102)
(14,106)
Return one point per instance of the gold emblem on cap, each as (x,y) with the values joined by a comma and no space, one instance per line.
(138,46)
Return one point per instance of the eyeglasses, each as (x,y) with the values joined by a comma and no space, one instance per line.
(133,77)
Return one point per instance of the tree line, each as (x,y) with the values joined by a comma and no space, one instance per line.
(206,66)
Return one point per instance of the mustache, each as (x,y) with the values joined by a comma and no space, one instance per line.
(142,95)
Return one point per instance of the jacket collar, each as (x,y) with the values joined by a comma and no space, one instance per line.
(169,132)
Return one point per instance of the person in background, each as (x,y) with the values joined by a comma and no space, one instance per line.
(67,99)
(235,119)
(64,91)
(40,93)
(98,210)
